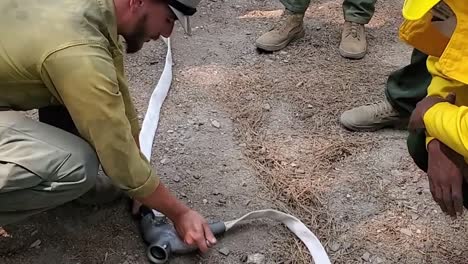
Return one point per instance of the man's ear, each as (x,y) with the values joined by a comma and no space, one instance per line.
(135,5)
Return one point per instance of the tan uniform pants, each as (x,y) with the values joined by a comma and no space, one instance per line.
(41,167)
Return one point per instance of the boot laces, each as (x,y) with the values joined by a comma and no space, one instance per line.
(282,25)
(354,31)
(383,109)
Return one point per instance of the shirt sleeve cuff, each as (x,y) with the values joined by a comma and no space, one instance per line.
(146,188)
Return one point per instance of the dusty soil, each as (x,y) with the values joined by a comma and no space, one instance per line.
(279,145)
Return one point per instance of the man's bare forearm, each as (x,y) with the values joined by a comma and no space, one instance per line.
(163,201)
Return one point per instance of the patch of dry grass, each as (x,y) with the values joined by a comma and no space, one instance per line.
(297,190)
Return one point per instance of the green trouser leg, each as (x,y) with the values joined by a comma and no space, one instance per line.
(408,85)
(358,11)
(296,6)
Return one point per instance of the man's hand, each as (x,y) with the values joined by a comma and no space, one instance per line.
(445,177)
(191,226)
(417,117)
(194,230)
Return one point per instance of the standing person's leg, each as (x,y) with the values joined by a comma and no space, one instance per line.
(41,167)
(290,26)
(405,87)
(357,13)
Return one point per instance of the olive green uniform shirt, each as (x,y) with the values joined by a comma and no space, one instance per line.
(68,52)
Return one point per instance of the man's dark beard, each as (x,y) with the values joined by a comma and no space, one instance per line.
(136,39)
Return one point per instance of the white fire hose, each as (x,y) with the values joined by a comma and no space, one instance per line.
(147,134)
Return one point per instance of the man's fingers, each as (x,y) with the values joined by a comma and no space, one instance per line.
(189,240)
(457,197)
(451,98)
(201,243)
(439,198)
(447,199)
(210,238)
(414,123)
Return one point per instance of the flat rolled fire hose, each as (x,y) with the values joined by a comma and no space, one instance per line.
(148,132)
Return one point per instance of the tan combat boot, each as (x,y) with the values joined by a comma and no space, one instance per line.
(353,41)
(289,28)
(371,117)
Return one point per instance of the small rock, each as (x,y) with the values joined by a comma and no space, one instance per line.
(256,258)
(196,176)
(244,258)
(366,256)
(293,164)
(34,233)
(347,245)
(36,244)
(163,161)
(310,106)
(428,244)
(170,131)
(183,195)
(248,33)
(418,231)
(299,84)
(335,246)
(242,145)
(300,171)
(348,195)
(247,203)
(276,81)
(318,28)
(266,107)
(406,231)
(225,251)
(283,52)
(216,192)
(176,179)
(268,61)
(205,201)
(378,260)
(222,201)
(215,124)
(414,216)
(244,184)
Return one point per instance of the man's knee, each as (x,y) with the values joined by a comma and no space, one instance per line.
(417,148)
(81,167)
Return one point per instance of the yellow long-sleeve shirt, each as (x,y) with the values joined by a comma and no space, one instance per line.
(448,65)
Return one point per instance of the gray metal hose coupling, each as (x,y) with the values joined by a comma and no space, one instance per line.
(162,237)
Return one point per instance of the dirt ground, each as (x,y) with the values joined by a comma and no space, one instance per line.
(279,145)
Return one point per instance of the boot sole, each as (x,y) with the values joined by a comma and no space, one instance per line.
(400,125)
(354,56)
(281,45)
